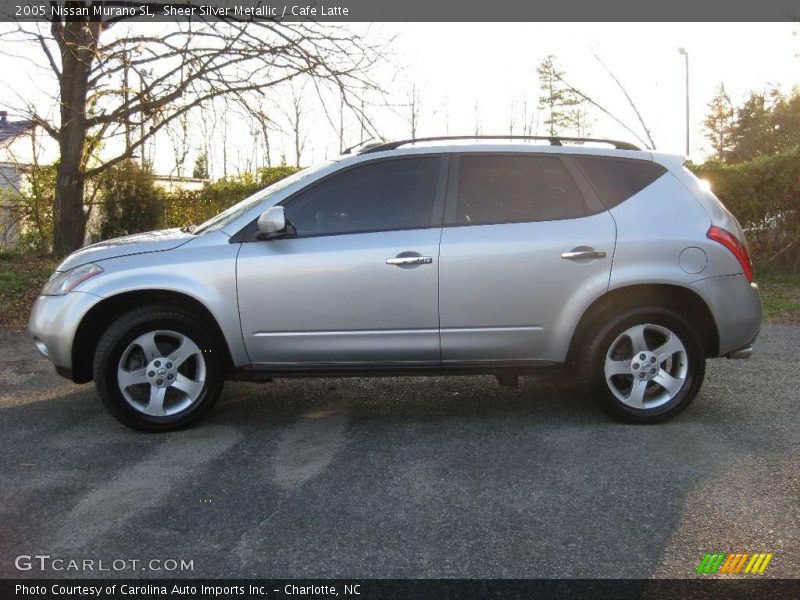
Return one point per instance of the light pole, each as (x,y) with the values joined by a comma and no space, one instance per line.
(685,54)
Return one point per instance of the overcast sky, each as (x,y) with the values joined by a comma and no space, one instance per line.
(460,66)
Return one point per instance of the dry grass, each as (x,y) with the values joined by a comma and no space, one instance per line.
(21,280)
(780,294)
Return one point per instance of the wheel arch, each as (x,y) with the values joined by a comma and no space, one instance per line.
(102,314)
(677,298)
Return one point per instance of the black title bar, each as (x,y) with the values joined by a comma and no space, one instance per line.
(405,10)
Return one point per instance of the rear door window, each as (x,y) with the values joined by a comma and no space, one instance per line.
(502,188)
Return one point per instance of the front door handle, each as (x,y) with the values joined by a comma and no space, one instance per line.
(582,254)
(401,261)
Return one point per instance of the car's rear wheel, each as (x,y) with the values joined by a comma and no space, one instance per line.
(644,365)
(155,369)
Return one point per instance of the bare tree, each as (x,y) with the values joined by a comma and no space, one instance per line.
(179,69)
(257,108)
(208,127)
(528,120)
(341,123)
(478,126)
(178,133)
(363,128)
(582,121)
(223,135)
(512,117)
(413,103)
(295,118)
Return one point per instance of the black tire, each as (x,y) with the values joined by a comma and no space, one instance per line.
(117,338)
(593,365)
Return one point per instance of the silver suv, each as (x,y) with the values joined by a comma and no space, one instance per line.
(435,256)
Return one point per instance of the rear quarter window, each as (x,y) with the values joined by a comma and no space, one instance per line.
(617,179)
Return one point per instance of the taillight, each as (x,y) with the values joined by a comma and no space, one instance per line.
(732,243)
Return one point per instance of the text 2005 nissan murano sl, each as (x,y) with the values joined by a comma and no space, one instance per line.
(424,257)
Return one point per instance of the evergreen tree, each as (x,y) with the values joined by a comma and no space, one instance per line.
(720,123)
(754,130)
(561,105)
(765,124)
(786,121)
(131,203)
(200,170)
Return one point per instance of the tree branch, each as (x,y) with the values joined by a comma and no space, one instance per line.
(652,144)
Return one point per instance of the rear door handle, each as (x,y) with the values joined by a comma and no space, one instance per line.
(409,260)
(582,254)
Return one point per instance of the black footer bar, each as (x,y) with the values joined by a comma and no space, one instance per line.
(390,589)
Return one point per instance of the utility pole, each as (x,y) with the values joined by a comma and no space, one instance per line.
(685,55)
(126,95)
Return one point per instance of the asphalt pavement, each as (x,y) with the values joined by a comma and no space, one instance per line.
(404,477)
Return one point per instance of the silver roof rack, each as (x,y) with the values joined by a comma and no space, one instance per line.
(554,141)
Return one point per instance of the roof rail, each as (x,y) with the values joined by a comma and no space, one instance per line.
(554,141)
(362,147)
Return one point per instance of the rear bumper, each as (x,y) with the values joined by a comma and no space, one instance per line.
(741,353)
(736,306)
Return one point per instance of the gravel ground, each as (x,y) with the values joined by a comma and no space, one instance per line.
(406,477)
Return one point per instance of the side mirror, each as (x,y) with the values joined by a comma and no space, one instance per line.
(272,221)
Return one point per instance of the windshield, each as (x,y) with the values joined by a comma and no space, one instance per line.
(237,210)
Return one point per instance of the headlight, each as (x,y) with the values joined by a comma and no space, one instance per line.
(62,283)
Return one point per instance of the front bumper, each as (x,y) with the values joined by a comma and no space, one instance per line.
(53,323)
(736,307)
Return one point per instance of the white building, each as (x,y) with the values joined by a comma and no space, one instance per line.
(24,145)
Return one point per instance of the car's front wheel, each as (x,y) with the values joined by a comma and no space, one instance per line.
(156,369)
(644,365)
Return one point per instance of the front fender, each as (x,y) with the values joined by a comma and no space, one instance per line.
(206,274)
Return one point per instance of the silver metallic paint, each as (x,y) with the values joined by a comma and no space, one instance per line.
(503,292)
(334,298)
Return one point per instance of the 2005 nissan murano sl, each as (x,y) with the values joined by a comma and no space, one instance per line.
(433,256)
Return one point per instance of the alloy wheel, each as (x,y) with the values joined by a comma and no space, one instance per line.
(646,366)
(161,373)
